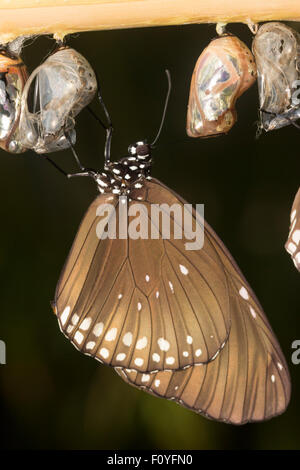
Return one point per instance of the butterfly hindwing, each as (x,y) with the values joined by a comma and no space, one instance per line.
(247,381)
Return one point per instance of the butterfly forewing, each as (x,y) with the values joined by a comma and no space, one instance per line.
(143,304)
(292,245)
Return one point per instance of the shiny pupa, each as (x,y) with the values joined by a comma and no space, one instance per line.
(223,72)
(13,76)
(276,48)
(63,85)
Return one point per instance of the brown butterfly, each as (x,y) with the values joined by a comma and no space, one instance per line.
(162,314)
(292,245)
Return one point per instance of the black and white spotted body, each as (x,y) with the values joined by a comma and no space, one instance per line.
(128,173)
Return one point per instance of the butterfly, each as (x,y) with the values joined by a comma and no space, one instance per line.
(292,245)
(224,71)
(276,51)
(183,324)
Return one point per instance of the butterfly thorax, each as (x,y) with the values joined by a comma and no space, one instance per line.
(128,173)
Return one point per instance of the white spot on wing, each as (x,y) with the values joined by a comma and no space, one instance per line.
(75,319)
(171,287)
(189,339)
(198,352)
(104,353)
(139,306)
(296,237)
(273,378)
(111,334)
(291,248)
(86,324)
(183,269)
(65,315)
(121,357)
(90,345)
(170,360)
(185,353)
(78,337)
(147,277)
(253,312)
(141,343)
(139,361)
(156,357)
(244,293)
(145,377)
(98,328)
(163,344)
(127,339)
(157,383)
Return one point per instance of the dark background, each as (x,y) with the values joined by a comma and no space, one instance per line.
(51,396)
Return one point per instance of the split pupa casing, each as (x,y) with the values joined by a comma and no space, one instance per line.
(277,53)
(13,76)
(225,69)
(292,245)
(64,84)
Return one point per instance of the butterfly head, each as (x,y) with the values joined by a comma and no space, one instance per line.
(140,150)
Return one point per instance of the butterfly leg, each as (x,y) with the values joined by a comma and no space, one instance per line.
(89,173)
(75,155)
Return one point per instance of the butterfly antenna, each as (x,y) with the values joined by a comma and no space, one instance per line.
(108,127)
(165,108)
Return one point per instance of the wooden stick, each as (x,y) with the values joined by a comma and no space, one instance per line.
(61,17)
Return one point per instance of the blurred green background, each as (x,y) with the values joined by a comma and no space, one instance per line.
(51,396)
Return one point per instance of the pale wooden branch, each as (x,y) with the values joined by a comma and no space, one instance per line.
(61,17)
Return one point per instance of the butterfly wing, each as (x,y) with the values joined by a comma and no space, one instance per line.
(247,381)
(143,304)
(292,245)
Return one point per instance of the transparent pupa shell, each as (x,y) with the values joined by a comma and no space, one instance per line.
(13,76)
(64,84)
(292,245)
(276,48)
(225,69)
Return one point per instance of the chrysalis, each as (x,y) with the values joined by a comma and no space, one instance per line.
(276,48)
(64,84)
(224,70)
(292,245)
(13,75)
